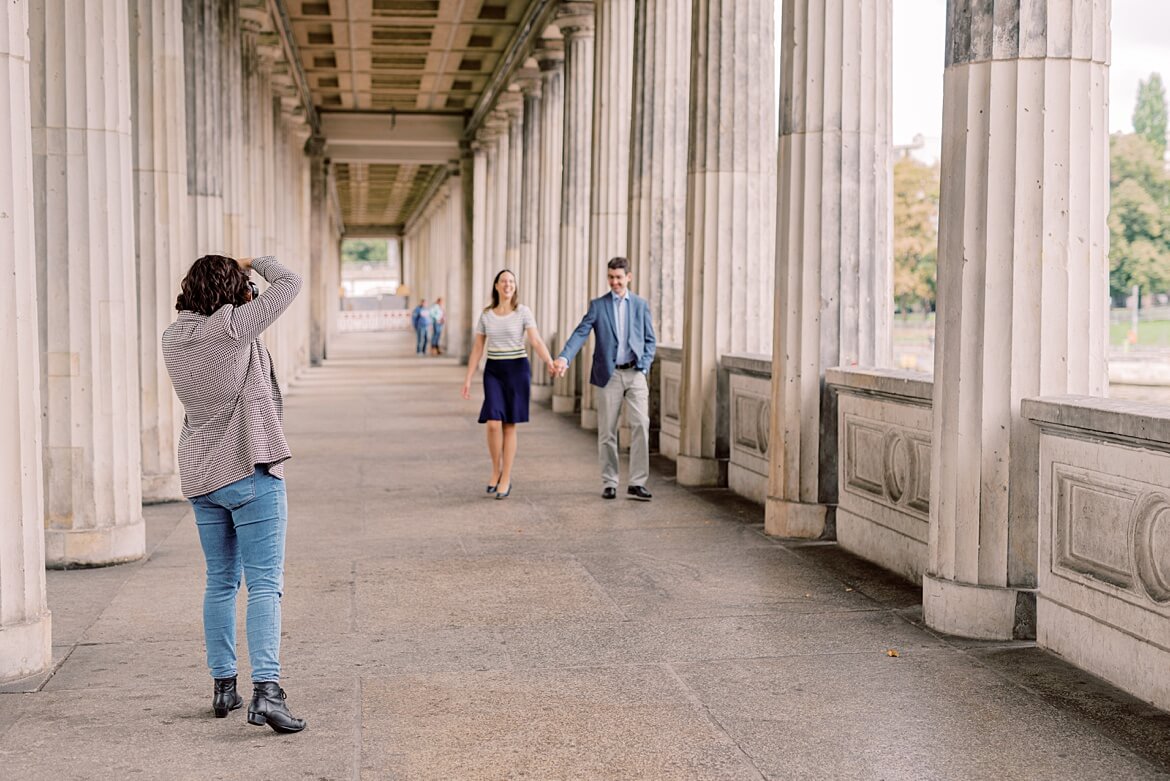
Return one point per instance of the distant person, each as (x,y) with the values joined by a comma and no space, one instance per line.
(622,355)
(420,320)
(231,465)
(507,376)
(438,320)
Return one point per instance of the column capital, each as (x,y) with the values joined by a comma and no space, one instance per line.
(575,19)
(315,146)
(528,81)
(550,54)
(511,104)
(254,16)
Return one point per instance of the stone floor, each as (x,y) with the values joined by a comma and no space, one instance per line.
(431,632)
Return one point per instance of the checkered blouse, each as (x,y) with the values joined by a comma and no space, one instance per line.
(223,374)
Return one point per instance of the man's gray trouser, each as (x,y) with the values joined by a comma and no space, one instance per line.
(631,385)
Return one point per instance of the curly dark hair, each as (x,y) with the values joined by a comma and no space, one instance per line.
(212,282)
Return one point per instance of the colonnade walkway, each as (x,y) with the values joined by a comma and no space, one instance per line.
(431,632)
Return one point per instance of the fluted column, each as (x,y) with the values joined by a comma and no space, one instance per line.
(203,52)
(613,69)
(87,292)
(161,216)
(512,103)
(481,207)
(25,623)
(530,202)
(318,236)
(551,58)
(834,258)
(730,214)
(1022,287)
(231,95)
(576,24)
(658,160)
(468,217)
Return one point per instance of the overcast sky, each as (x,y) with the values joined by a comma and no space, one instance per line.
(1141,45)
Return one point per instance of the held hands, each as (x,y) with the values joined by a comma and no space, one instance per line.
(559,367)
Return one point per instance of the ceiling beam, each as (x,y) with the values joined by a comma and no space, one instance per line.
(390,137)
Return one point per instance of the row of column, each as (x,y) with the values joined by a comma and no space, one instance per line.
(1021,278)
(136,137)
(436,235)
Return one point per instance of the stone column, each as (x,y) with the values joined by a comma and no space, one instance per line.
(834,253)
(231,96)
(513,104)
(87,292)
(204,73)
(576,24)
(160,212)
(480,204)
(318,236)
(469,221)
(613,69)
(730,212)
(530,87)
(658,160)
(551,58)
(25,623)
(1022,288)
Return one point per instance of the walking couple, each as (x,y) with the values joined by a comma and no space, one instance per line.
(624,351)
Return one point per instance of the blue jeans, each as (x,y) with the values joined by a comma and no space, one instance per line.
(421,332)
(242,529)
(436,332)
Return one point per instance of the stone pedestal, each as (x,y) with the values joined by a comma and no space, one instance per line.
(730,213)
(576,24)
(550,56)
(658,160)
(25,623)
(834,243)
(1022,288)
(161,220)
(610,189)
(87,287)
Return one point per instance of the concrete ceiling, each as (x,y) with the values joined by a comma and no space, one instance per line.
(395,83)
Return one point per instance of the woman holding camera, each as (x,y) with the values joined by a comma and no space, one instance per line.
(231,455)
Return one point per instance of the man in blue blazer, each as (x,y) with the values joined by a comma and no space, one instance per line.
(624,350)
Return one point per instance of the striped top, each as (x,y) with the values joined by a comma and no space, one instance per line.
(505,335)
(223,374)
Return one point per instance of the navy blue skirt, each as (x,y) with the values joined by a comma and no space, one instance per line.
(506,388)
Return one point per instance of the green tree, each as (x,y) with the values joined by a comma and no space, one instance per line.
(364,251)
(1149,115)
(1139,217)
(916,191)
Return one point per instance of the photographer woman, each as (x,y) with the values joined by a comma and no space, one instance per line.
(231,455)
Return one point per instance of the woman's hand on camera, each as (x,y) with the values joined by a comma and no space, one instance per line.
(245,263)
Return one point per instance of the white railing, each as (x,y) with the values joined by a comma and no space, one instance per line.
(375,320)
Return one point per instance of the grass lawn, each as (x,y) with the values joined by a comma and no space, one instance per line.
(1151,333)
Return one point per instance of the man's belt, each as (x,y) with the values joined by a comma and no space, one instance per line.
(630,365)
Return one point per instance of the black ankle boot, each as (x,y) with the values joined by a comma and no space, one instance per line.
(225,698)
(268,707)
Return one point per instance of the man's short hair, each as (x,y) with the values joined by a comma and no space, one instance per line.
(622,263)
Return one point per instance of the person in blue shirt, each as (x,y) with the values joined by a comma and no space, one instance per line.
(622,356)
(420,320)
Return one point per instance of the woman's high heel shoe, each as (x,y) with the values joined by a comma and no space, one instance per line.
(504,494)
(491,489)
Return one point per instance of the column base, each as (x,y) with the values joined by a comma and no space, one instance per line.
(95,547)
(542,393)
(783,518)
(697,472)
(589,419)
(564,405)
(157,489)
(978,612)
(26,649)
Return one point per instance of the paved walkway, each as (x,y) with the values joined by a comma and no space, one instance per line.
(434,633)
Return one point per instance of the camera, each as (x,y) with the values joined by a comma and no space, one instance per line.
(254,289)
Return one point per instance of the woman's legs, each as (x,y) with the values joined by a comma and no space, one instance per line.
(260,526)
(495,442)
(509,455)
(221,551)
